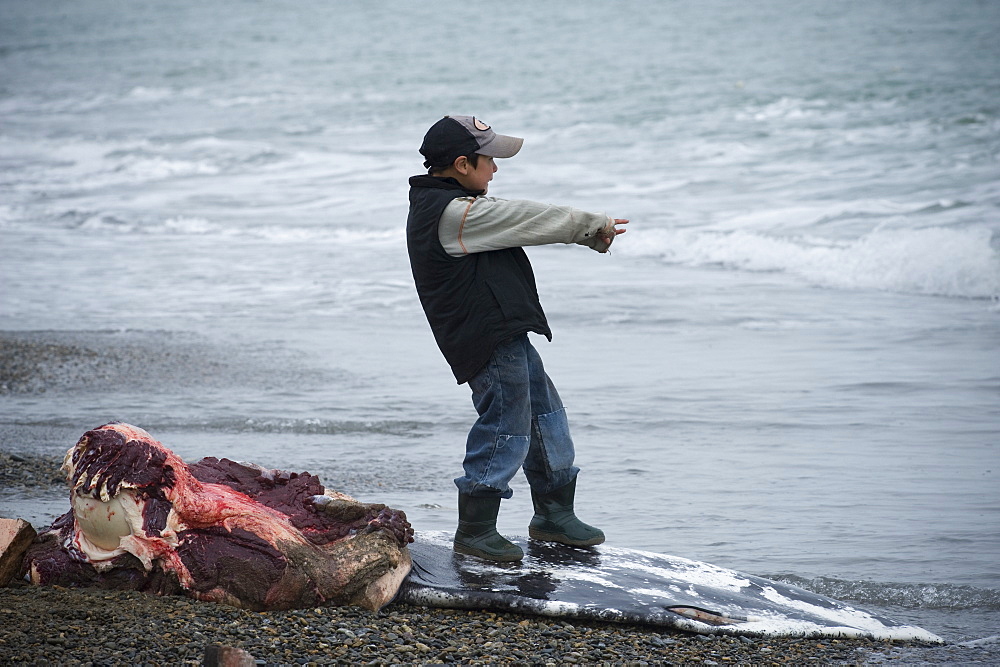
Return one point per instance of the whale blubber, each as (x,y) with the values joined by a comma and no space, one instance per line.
(217,530)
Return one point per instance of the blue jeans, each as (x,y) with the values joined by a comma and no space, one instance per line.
(522,424)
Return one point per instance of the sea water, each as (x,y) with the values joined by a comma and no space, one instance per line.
(789,365)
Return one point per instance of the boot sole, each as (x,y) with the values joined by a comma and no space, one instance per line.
(470,551)
(562,539)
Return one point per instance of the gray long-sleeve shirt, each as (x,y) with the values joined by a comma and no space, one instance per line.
(478,224)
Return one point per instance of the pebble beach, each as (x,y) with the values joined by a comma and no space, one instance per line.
(124,628)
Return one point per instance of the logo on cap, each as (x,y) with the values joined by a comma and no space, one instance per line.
(480,125)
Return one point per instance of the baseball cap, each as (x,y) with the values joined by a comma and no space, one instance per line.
(454,136)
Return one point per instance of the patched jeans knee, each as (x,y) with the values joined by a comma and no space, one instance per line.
(549,463)
(522,423)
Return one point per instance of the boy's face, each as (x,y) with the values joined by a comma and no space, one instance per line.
(478,177)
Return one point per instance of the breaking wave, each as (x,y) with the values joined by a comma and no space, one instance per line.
(312,426)
(181,225)
(908,596)
(934,261)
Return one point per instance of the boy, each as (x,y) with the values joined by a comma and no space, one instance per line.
(478,292)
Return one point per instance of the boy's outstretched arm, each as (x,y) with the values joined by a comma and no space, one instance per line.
(478,224)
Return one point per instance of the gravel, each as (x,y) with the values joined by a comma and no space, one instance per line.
(20,471)
(87,626)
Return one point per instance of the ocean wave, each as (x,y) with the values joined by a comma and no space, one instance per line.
(784,108)
(181,225)
(934,261)
(150,93)
(184,225)
(77,101)
(157,168)
(257,425)
(67,428)
(843,215)
(992,640)
(908,596)
(84,165)
(393,427)
(198,226)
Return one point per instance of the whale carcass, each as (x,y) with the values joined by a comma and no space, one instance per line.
(239,534)
(215,530)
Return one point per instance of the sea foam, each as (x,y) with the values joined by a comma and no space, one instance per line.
(934,261)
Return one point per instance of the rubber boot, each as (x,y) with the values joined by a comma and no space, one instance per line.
(554,520)
(477,531)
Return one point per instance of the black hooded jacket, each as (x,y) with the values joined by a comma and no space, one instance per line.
(474,301)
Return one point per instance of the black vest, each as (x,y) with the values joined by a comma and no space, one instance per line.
(472,302)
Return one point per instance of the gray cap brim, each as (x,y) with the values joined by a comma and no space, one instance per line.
(501,145)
